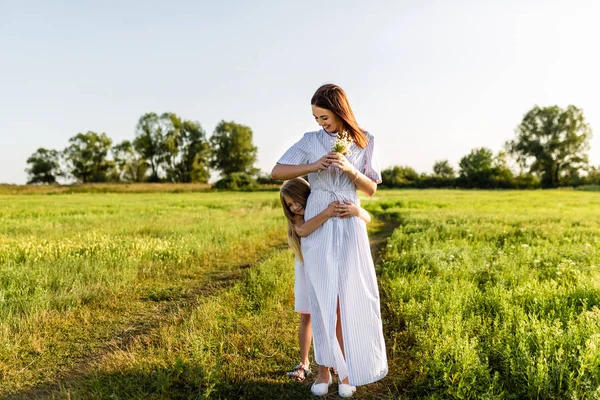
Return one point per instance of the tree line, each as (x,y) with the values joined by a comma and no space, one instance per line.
(166,148)
(550,149)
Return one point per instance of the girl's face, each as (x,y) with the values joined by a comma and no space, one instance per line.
(294,206)
(327,119)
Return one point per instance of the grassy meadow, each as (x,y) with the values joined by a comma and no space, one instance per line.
(188,294)
(494,295)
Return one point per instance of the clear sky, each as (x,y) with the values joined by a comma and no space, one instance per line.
(429,79)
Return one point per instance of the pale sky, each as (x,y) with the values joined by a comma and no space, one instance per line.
(430,80)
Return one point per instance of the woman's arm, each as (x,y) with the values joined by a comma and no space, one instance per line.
(282,172)
(306,228)
(367,185)
(362,182)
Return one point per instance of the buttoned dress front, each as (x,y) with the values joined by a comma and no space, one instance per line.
(339,265)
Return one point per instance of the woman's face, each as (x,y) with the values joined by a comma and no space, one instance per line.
(327,119)
(294,206)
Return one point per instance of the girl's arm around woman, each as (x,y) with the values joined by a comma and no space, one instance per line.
(306,228)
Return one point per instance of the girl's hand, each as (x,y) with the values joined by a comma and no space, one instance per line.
(347,209)
(321,164)
(339,161)
(330,211)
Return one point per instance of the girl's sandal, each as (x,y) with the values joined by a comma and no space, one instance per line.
(299,372)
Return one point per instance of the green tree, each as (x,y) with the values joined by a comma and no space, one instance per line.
(593,176)
(86,156)
(481,169)
(44,166)
(526,180)
(443,176)
(552,143)
(232,149)
(237,181)
(129,165)
(186,150)
(149,142)
(443,169)
(399,177)
(502,175)
(476,168)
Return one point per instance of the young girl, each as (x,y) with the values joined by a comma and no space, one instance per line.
(293,195)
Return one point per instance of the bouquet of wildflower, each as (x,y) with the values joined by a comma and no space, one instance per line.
(341,145)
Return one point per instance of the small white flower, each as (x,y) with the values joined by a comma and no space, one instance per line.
(342,144)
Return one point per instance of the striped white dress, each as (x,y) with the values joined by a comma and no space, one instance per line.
(338,264)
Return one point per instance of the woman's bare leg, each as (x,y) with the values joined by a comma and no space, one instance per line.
(323,374)
(340,337)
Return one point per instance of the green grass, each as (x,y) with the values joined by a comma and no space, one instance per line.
(485,294)
(78,270)
(105,188)
(494,294)
(7,189)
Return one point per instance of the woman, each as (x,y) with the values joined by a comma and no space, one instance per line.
(343,293)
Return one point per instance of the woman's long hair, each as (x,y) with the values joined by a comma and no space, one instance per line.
(333,98)
(298,190)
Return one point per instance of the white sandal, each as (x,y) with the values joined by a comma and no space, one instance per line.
(345,390)
(320,389)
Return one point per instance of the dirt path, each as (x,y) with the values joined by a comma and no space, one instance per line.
(142,324)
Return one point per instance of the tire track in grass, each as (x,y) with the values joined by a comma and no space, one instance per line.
(147,320)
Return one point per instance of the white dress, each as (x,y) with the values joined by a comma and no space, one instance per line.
(338,264)
(301,300)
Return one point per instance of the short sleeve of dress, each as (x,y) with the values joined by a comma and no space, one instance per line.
(371,167)
(298,153)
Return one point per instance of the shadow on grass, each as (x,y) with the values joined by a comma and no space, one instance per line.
(184,380)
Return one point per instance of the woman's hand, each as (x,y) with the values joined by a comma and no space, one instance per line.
(347,209)
(321,164)
(339,161)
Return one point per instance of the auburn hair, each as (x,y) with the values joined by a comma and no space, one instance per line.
(333,98)
(298,190)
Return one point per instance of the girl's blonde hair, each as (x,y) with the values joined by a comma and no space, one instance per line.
(298,190)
